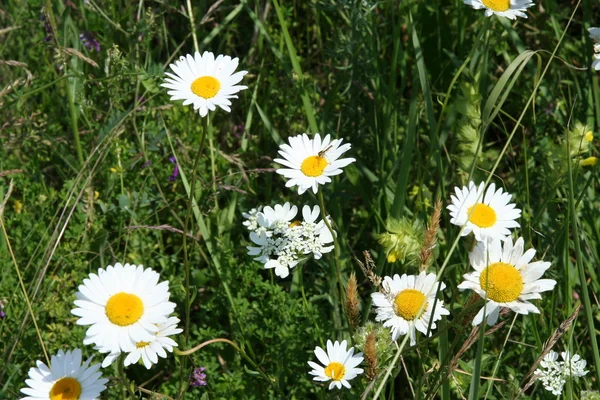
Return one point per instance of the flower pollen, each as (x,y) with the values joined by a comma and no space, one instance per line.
(141,345)
(335,371)
(314,166)
(482,215)
(497,5)
(502,282)
(124,309)
(206,87)
(408,303)
(66,388)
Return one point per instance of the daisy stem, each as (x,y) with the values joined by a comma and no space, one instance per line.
(192,25)
(186,260)
(491,381)
(123,376)
(336,251)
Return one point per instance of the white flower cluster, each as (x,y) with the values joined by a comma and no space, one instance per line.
(282,243)
(595,35)
(554,373)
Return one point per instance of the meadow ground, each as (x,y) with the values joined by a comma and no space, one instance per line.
(102,165)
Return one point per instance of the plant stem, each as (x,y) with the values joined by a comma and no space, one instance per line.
(192,25)
(336,250)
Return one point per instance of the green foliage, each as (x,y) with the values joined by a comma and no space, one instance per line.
(429,94)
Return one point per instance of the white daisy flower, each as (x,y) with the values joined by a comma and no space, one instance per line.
(505,277)
(148,351)
(204,81)
(339,365)
(311,162)
(278,217)
(407,304)
(122,304)
(487,216)
(65,379)
(594,34)
(503,8)
(596,62)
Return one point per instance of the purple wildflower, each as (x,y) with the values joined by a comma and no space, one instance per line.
(146,164)
(47,26)
(2,313)
(89,42)
(198,377)
(175,173)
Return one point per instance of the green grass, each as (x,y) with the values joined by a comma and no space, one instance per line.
(431,95)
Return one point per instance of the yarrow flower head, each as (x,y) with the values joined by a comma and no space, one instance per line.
(339,365)
(281,243)
(406,304)
(311,162)
(198,377)
(503,8)
(488,216)
(505,277)
(205,81)
(123,304)
(553,373)
(65,379)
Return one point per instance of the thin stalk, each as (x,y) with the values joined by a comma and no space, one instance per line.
(192,25)
(74,127)
(123,376)
(12,255)
(491,381)
(391,366)
(589,316)
(186,259)
(338,268)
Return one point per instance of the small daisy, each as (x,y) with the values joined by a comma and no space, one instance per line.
(122,304)
(407,304)
(311,162)
(148,351)
(65,379)
(204,81)
(505,277)
(488,216)
(503,8)
(339,364)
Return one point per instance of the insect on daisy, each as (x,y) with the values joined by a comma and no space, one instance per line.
(505,277)
(311,162)
(503,8)
(65,379)
(407,304)
(122,304)
(339,365)
(204,81)
(487,216)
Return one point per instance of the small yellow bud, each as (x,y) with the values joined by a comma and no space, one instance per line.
(113,170)
(18,206)
(589,136)
(96,195)
(391,258)
(588,162)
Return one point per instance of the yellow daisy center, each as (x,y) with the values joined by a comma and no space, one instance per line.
(66,389)
(502,282)
(206,87)
(497,5)
(313,166)
(408,303)
(141,345)
(481,215)
(295,223)
(124,309)
(335,370)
